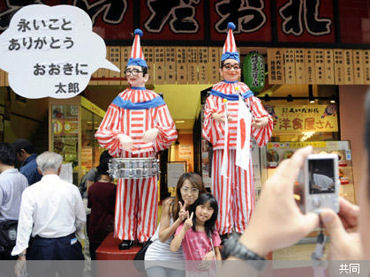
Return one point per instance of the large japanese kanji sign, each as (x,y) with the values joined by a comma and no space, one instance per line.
(51,51)
(285,21)
(304,118)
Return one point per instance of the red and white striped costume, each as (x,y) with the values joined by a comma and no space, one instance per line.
(136,203)
(235,194)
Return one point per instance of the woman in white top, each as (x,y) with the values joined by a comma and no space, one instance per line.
(159,260)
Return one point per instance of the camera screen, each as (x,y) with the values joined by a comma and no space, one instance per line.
(321,176)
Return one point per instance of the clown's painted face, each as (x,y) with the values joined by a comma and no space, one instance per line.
(230,70)
(135,77)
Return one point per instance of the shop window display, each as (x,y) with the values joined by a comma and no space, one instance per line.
(68,119)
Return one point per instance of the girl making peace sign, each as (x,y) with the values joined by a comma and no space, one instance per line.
(197,235)
(159,260)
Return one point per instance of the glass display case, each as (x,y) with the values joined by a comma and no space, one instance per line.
(72,125)
(278,151)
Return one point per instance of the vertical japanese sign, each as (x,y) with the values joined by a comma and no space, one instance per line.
(181,69)
(319,66)
(149,57)
(348,67)
(125,55)
(115,58)
(159,65)
(339,66)
(329,66)
(214,65)
(203,59)
(310,66)
(366,58)
(275,65)
(170,61)
(192,57)
(51,51)
(299,66)
(358,73)
(289,66)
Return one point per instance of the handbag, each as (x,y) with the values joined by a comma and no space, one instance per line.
(8,235)
(140,256)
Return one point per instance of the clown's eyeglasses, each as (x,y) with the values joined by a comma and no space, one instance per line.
(132,72)
(231,66)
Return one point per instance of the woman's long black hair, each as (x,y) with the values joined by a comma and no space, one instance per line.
(210,223)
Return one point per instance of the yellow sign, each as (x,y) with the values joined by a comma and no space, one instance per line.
(296,144)
(92,107)
(304,118)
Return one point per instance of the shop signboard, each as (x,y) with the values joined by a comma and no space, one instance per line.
(284,21)
(254,71)
(303,118)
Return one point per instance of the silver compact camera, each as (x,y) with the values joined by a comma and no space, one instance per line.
(320,186)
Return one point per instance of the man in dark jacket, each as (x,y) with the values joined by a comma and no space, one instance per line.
(27,158)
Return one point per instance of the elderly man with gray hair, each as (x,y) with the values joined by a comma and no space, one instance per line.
(52,213)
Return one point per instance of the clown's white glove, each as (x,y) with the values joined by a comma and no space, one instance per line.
(125,142)
(150,135)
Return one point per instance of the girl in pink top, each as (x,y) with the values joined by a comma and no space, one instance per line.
(199,239)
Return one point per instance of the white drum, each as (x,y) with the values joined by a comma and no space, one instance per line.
(133,168)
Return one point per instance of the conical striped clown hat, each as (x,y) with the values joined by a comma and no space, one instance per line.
(229,51)
(137,55)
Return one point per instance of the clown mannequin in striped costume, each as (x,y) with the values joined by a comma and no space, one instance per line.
(232,185)
(137,124)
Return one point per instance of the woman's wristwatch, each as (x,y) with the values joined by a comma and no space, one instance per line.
(234,248)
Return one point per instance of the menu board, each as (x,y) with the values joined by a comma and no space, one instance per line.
(181,66)
(329,66)
(125,55)
(366,59)
(275,66)
(115,58)
(149,58)
(300,75)
(339,66)
(192,58)
(319,66)
(348,67)
(289,66)
(159,65)
(358,73)
(310,66)
(214,65)
(203,58)
(170,64)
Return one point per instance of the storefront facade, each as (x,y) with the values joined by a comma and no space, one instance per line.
(313,50)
